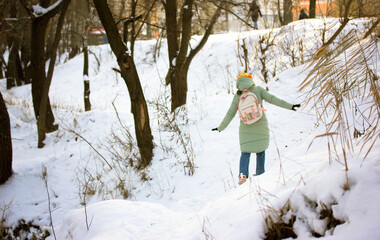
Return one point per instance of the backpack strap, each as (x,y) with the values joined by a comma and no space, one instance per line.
(247,89)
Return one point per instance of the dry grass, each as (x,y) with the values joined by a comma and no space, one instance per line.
(280,222)
(21,230)
(342,77)
(176,124)
(277,225)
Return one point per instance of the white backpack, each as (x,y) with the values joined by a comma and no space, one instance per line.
(249,107)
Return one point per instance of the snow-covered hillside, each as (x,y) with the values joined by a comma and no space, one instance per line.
(86,197)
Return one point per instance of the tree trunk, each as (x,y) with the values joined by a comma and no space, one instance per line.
(172,36)
(177,74)
(360,8)
(178,88)
(133,27)
(25,59)
(179,77)
(227,26)
(3,65)
(5,143)
(312,8)
(148,20)
(131,78)
(45,110)
(288,15)
(178,55)
(280,18)
(125,31)
(86,79)
(15,75)
(38,70)
(11,68)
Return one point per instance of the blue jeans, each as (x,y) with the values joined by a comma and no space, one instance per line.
(244,163)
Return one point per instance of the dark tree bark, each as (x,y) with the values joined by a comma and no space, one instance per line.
(172,35)
(133,36)
(45,119)
(132,28)
(86,79)
(15,75)
(280,18)
(5,143)
(14,69)
(312,8)
(179,58)
(129,74)
(148,20)
(41,82)
(38,70)
(38,59)
(226,21)
(25,59)
(2,65)
(288,15)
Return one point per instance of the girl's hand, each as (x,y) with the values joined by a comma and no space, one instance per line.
(296,106)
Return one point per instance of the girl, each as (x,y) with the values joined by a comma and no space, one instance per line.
(253,138)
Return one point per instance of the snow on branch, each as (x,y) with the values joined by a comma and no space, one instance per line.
(39,11)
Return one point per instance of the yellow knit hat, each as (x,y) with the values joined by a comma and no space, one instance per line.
(244,74)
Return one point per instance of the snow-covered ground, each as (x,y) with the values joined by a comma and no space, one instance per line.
(171,204)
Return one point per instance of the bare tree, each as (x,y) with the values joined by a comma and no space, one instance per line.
(3,39)
(129,74)
(14,70)
(13,29)
(81,16)
(179,57)
(2,62)
(288,15)
(133,25)
(15,75)
(86,79)
(312,8)
(5,143)
(148,20)
(41,81)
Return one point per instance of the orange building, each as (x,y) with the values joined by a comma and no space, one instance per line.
(322,8)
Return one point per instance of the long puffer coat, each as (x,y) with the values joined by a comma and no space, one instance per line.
(253,138)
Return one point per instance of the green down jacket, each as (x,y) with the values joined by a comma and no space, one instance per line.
(253,138)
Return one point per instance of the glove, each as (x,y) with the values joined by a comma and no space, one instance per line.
(296,106)
(215,129)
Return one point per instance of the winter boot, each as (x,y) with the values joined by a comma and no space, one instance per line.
(242,179)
